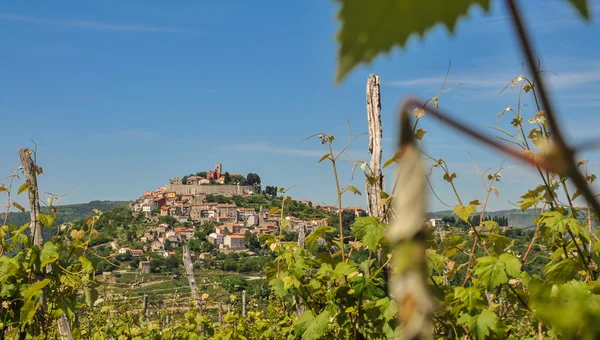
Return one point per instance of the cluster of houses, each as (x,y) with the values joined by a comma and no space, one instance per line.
(187,201)
(231,236)
(156,238)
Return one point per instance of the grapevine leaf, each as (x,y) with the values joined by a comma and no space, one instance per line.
(47,220)
(353,189)
(500,243)
(366,25)
(91,295)
(317,327)
(8,268)
(435,261)
(324,157)
(369,231)
(392,160)
(464,211)
(560,272)
(23,188)
(50,253)
(277,286)
(582,7)
(388,307)
(469,297)
(418,113)
(449,177)
(490,271)
(420,133)
(86,264)
(341,269)
(34,289)
(511,264)
(312,238)
(452,245)
(18,206)
(480,325)
(301,323)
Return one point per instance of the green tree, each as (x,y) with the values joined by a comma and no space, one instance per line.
(234,284)
(238,179)
(271,191)
(253,242)
(170,220)
(252,179)
(227,178)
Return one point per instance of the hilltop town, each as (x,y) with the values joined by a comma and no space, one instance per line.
(233,206)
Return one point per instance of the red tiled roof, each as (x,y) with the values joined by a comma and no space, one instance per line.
(226,205)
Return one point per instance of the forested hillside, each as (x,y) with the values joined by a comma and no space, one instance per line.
(516,217)
(68,212)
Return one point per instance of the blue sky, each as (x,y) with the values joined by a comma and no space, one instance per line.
(123,95)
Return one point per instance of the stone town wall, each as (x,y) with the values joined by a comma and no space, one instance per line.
(225,190)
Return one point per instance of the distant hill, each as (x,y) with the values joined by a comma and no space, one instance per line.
(516,217)
(68,212)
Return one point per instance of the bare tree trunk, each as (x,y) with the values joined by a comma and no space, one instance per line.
(374,180)
(189,270)
(30,171)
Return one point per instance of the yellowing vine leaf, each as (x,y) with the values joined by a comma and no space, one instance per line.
(47,220)
(18,206)
(392,160)
(420,133)
(353,189)
(464,211)
(418,113)
(373,27)
(23,188)
(34,289)
(324,157)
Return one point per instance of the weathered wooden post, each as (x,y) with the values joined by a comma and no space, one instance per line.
(189,270)
(30,171)
(145,306)
(374,177)
(301,236)
(220,312)
(244,302)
